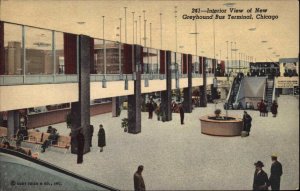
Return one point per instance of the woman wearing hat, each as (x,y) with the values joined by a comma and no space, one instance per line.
(261,181)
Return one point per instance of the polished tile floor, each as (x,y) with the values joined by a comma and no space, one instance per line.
(179,157)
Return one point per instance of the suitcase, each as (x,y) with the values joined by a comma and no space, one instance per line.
(244,134)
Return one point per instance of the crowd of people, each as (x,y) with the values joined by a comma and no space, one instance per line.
(262,107)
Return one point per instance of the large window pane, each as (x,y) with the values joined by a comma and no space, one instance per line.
(59,53)
(154,58)
(38,45)
(13,49)
(179,62)
(146,61)
(195,64)
(112,57)
(99,56)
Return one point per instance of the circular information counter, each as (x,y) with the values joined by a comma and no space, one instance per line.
(232,126)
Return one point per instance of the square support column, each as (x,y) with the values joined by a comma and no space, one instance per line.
(115,106)
(13,122)
(187,92)
(81,110)
(166,96)
(214,91)
(134,101)
(203,94)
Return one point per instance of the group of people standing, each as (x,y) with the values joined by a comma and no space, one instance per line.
(152,106)
(261,180)
(80,141)
(262,106)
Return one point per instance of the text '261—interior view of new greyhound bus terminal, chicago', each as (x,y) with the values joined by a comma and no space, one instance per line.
(149,95)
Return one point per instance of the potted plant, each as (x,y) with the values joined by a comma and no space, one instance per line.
(125,124)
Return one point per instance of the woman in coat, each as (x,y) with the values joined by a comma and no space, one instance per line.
(274,108)
(101,138)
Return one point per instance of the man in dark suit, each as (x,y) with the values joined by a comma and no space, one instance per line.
(80,146)
(181,111)
(91,134)
(261,181)
(139,184)
(276,172)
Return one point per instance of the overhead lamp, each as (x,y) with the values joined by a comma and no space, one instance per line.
(161,76)
(177,83)
(270,48)
(252,29)
(264,41)
(229,4)
(104,83)
(146,82)
(126,83)
(134,75)
(80,22)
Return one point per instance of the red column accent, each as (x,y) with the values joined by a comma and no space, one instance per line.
(127,62)
(190,63)
(2,50)
(92,66)
(184,63)
(222,67)
(200,64)
(162,62)
(70,53)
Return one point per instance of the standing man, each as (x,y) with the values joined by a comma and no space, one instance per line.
(139,184)
(91,134)
(181,111)
(276,172)
(247,119)
(80,146)
(261,181)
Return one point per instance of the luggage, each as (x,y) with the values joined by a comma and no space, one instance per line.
(244,134)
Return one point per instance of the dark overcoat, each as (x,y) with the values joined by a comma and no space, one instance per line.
(261,181)
(274,108)
(101,138)
(276,172)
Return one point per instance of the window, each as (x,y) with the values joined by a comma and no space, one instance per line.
(13,49)
(38,48)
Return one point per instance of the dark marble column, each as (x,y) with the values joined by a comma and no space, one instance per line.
(134,101)
(81,110)
(166,96)
(214,91)
(203,94)
(13,122)
(115,106)
(187,92)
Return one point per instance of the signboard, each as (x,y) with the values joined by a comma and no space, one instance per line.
(287,82)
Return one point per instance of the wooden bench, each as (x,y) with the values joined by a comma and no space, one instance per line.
(27,151)
(3,133)
(39,138)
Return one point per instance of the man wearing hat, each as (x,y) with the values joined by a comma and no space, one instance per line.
(261,181)
(276,172)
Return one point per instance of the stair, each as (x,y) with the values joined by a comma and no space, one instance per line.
(269,93)
(234,91)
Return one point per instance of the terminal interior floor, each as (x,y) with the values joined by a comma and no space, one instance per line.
(179,157)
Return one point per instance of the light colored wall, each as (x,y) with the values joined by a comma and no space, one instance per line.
(26,96)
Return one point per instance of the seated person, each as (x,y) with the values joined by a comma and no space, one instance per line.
(49,130)
(6,145)
(52,139)
(22,133)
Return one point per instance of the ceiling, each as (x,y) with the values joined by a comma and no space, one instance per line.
(262,39)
